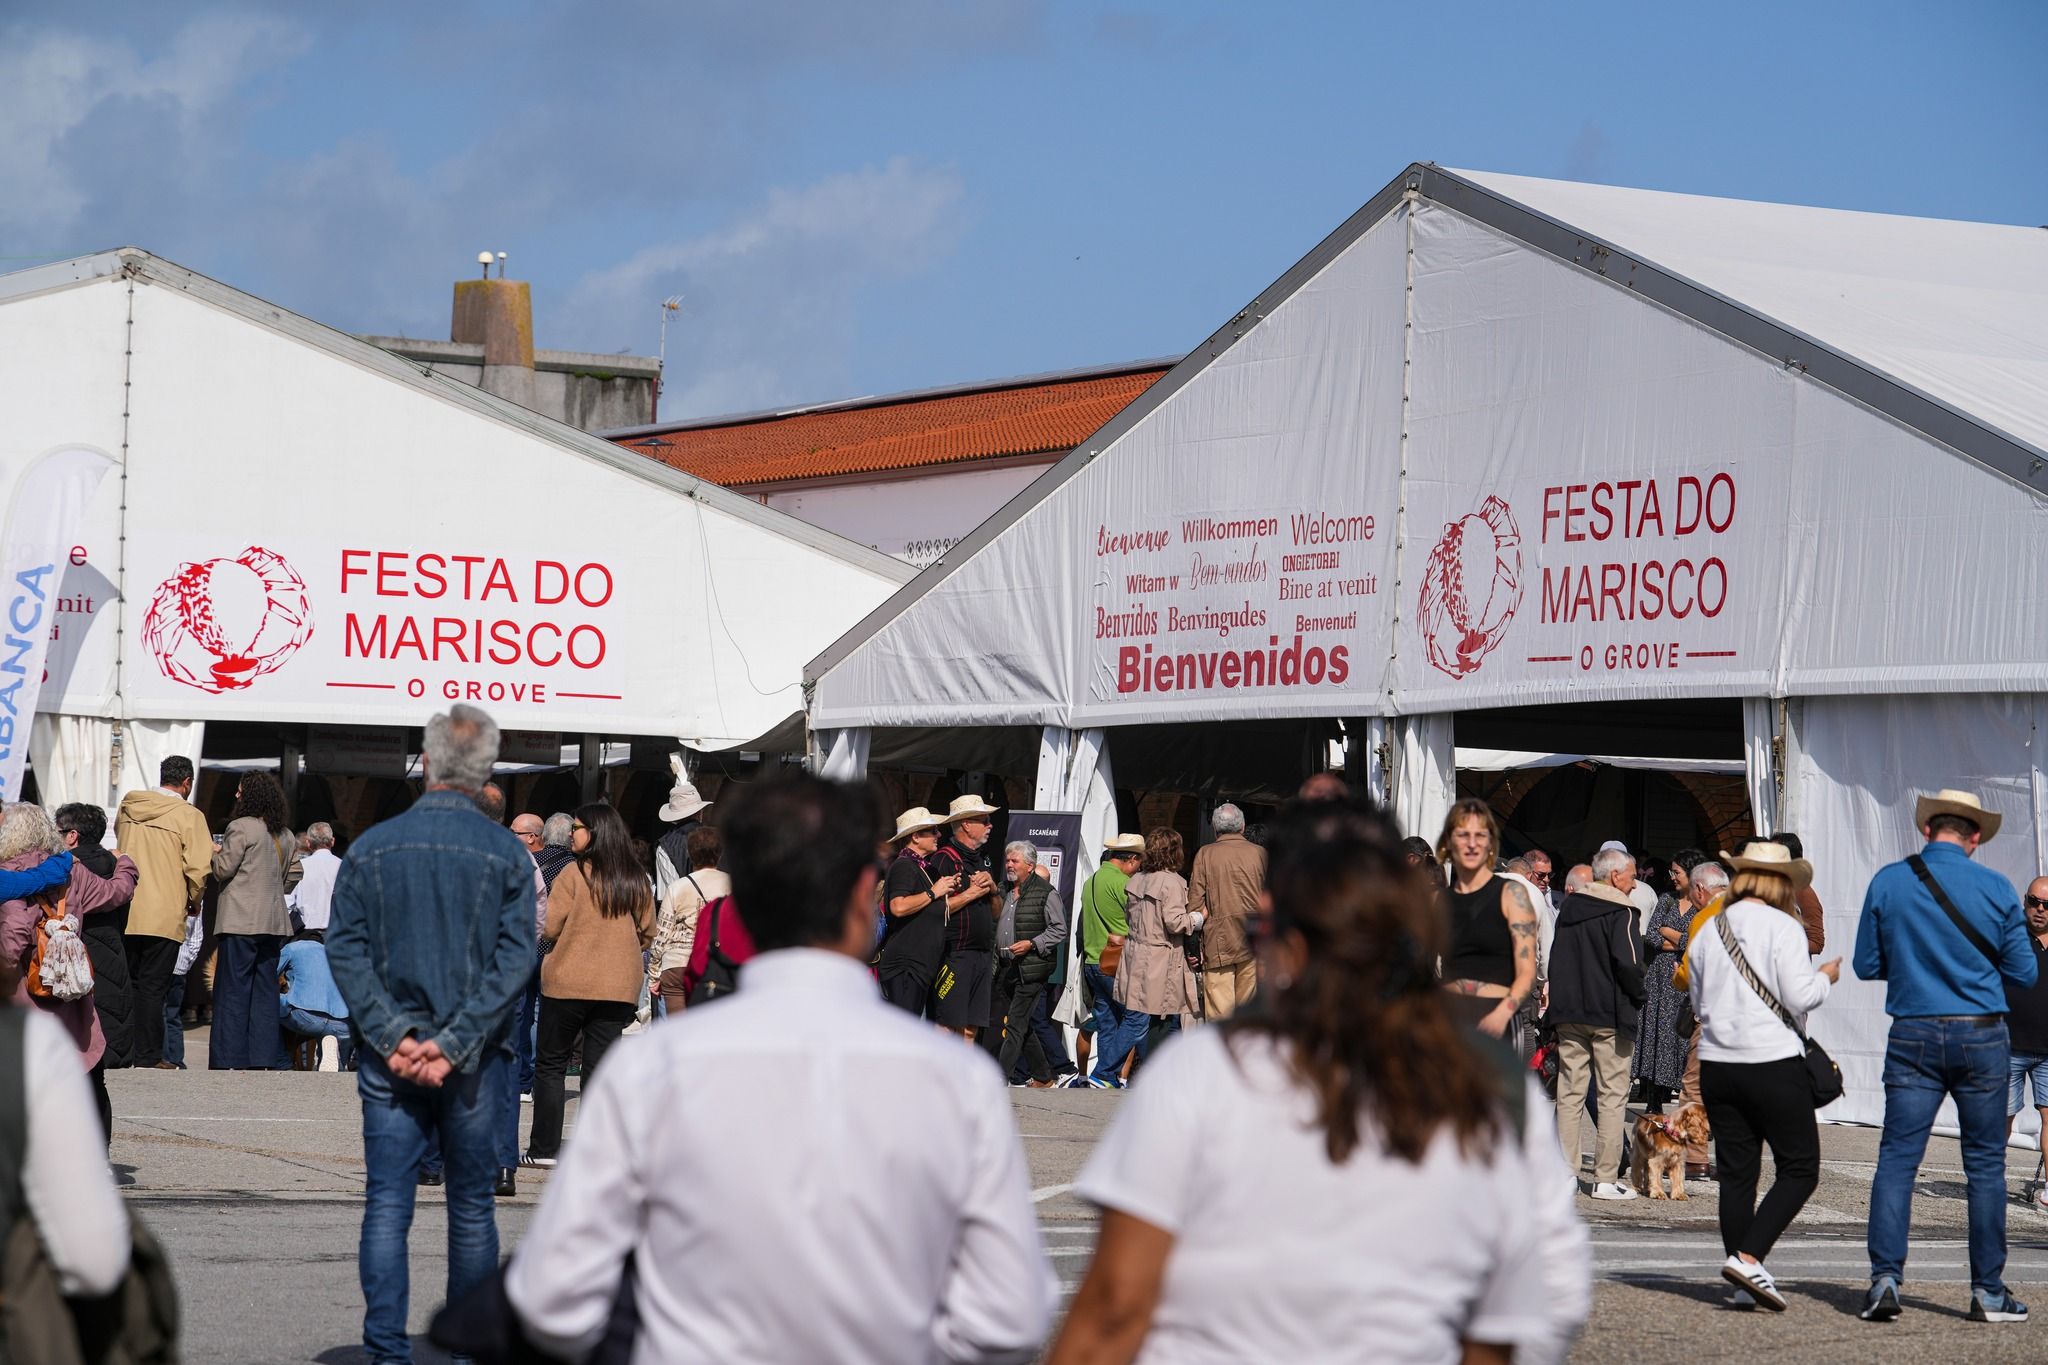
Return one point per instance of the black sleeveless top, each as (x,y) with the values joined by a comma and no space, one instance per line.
(1481,947)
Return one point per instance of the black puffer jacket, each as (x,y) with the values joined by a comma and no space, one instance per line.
(1595,978)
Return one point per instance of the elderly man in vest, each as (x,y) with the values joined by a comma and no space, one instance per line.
(1031,932)
(1224,888)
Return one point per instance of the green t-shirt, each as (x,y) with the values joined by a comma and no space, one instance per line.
(1102,910)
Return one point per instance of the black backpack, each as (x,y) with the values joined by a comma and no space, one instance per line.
(721,974)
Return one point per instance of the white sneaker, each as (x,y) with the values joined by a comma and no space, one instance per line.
(1755,1280)
(1615,1190)
(526,1098)
(330,1053)
(2041,1198)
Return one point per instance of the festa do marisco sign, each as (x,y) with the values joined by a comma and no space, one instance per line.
(1596,578)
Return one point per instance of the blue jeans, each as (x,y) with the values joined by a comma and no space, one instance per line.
(309,1024)
(398,1118)
(1926,1060)
(174,1022)
(525,1030)
(1117,1030)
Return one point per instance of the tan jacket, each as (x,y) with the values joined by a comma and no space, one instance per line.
(172,849)
(594,957)
(1154,976)
(255,868)
(1225,885)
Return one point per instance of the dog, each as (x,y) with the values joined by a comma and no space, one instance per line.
(1658,1161)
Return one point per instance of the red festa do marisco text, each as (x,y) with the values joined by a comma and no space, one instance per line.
(469,637)
(1637,589)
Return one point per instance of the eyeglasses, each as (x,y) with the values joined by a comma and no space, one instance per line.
(1540,878)
(2036,903)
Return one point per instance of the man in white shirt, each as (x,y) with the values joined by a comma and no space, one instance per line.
(314,894)
(804,1172)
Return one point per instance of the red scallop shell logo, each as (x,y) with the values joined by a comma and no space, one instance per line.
(1471,587)
(220,624)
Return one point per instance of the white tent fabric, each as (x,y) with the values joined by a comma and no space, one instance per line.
(1425,780)
(1865,761)
(459,548)
(844,754)
(1957,310)
(1759,728)
(1074,774)
(1509,760)
(73,758)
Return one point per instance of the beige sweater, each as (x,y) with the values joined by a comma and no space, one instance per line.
(595,957)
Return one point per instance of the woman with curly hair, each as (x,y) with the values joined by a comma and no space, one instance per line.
(1352,1173)
(256,863)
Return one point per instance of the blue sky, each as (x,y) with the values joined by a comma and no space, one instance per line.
(864,197)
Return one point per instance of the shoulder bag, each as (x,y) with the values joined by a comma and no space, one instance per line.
(1926,876)
(1821,1070)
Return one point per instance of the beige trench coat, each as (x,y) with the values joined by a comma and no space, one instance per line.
(1154,976)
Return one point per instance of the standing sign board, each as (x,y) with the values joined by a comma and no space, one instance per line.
(1057,837)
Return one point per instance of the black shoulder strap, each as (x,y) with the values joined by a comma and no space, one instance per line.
(13,1112)
(1926,875)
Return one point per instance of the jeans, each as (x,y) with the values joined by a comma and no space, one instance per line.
(309,1024)
(245,1034)
(1926,1060)
(1117,1030)
(398,1119)
(1750,1104)
(525,1029)
(150,960)
(598,1023)
(172,1035)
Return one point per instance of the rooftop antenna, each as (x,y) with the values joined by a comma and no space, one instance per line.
(670,306)
(501,265)
(483,258)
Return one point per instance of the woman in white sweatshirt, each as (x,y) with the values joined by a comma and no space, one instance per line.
(1753,1074)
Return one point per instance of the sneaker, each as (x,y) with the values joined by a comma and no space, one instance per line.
(1755,1281)
(1615,1190)
(526,1097)
(330,1054)
(2040,1200)
(1883,1303)
(1999,1307)
(539,1163)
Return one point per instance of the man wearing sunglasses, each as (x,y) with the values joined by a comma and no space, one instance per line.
(2027,1021)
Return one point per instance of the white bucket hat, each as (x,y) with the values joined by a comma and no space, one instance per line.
(912,821)
(1760,855)
(683,798)
(1949,801)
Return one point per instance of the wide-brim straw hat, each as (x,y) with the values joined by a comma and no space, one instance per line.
(1761,855)
(1949,801)
(1124,843)
(684,800)
(914,821)
(968,808)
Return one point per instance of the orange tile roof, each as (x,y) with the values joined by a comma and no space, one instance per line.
(1032,418)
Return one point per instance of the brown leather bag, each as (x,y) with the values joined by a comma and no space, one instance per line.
(1112,953)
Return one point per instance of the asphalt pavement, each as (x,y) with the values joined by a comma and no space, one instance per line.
(253,1181)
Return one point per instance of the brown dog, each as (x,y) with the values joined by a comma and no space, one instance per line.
(1659,1149)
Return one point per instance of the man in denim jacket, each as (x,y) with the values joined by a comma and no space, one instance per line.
(430,943)
(1946,996)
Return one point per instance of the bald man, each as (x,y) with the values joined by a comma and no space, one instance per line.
(2027,1022)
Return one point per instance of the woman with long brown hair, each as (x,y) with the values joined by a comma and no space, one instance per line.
(600,921)
(1350,1174)
(1489,965)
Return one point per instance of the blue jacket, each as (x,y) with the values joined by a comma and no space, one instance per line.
(1905,938)
(309,985)
(432,929)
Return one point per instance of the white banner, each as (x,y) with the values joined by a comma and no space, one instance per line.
(44,508)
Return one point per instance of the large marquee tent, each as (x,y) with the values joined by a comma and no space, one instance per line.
(296,527)
(1502,443)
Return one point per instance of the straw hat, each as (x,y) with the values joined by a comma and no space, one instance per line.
(968,808)
(913,821)
(1124,843)
(1948,801)
(1761,855)
(684,800)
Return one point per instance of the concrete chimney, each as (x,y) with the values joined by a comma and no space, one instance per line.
(498,315)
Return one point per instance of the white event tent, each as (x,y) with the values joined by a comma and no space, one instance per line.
(1499,442)
(300,527)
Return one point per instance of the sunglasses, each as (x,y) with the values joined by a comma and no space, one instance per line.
(2035,902)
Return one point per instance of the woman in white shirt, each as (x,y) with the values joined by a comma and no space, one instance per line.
(1349,1175)
(1753,1074)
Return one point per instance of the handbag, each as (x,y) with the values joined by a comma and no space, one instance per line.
(1821,1070)
(1112,953)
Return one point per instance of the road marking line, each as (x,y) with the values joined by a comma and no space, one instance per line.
(1045,1192)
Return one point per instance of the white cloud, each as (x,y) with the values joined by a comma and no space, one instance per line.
(772,300)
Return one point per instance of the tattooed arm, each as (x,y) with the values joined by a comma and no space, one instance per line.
(1524,930)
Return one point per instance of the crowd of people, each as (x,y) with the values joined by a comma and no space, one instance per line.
(1364,1021)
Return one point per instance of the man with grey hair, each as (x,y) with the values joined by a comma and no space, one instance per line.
(1596,999)
(311,901)
(1224,887)
(553,854)
(1031,933)
(1705,893)
(430,944)
(1578,879)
